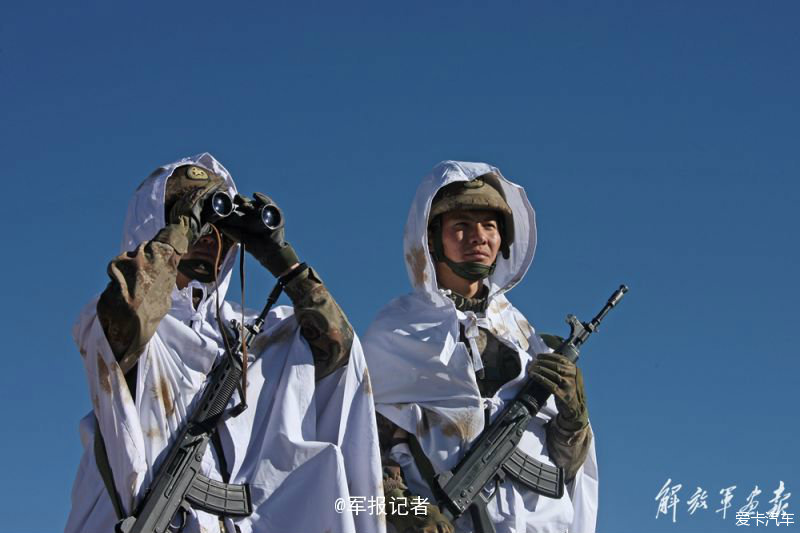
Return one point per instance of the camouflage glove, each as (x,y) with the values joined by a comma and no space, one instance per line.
(266,245)
(401,506)
(564,381)
(185,216)
(419,517)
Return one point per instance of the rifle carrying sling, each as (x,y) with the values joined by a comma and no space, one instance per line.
(424,464)
(103,466)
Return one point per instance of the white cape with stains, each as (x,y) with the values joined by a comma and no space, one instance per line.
(300,444)
(423,378)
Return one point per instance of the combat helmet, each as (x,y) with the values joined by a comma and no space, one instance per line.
(185,179)
(481,193)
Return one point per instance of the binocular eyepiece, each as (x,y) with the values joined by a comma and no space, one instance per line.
(220,205)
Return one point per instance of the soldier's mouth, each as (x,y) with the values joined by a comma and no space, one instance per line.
(205,255)
(476,254)
(205,249)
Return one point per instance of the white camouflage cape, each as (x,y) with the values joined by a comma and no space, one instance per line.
(300,444)
(423,378)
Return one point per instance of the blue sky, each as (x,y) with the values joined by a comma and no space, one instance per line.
(658,142)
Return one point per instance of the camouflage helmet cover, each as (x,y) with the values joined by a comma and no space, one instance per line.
(186,178)
(481,193)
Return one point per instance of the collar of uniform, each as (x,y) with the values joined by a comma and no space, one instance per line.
(476,304)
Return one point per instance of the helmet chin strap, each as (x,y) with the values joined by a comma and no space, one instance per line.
(469,270)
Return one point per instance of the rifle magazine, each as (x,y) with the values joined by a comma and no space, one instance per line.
(221,499)
(541,478)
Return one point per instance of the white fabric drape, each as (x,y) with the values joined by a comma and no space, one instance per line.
(299,442)
(424,378)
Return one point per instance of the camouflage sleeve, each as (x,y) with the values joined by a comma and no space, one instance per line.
(568,449)
(322,322)
(388,434)
(138,295)
(399,499)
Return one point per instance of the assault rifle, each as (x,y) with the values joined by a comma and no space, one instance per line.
(495,454)
(179,485)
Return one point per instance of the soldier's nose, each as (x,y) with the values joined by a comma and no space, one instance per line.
(206,240)
(478,235)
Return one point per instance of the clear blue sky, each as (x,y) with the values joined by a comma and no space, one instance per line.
(657,140)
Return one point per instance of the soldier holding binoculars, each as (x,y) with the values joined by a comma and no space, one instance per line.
(187,249)
(154,334)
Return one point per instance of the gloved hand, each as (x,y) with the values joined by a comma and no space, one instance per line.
(266,245)
(186,212)
(564,380)
(427,519)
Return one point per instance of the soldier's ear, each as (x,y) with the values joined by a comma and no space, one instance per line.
(505,252)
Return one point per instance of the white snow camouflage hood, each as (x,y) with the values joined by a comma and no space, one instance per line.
(508,272)
(145,217)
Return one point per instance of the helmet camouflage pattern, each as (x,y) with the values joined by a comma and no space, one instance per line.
(481,193)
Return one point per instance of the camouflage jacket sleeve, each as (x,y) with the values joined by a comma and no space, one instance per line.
(568,449)
(426,516)
(139,293)
(322,322)
(388,434)
(392,473)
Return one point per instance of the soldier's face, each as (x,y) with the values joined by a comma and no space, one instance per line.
(472,236)
(199,260)
(206,248)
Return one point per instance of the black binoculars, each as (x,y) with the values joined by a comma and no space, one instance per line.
(219,205)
